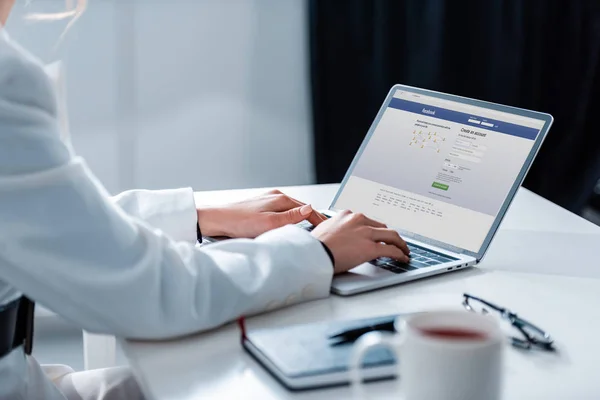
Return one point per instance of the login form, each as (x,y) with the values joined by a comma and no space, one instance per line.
(439,168)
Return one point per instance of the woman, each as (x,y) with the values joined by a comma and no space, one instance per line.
(128,266)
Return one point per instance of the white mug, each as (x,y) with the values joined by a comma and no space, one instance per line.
(442,355)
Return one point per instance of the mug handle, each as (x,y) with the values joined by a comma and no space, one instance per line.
(362,346)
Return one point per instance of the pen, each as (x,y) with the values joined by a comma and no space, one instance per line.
(351,335)
(242,325)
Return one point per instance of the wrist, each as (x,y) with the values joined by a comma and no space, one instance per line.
(208,218)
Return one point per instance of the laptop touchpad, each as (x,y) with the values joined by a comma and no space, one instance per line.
(363,271)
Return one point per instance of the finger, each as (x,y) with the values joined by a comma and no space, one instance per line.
(295,201)
(316,218)
(284,203)
(389,236)
(289,202)
(292,216)
(391,251)
(298,203)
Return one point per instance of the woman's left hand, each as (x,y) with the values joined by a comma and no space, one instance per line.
(253,217)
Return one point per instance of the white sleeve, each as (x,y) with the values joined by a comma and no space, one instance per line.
(68,246)
(172,211)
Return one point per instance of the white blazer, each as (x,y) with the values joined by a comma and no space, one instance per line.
(126,266)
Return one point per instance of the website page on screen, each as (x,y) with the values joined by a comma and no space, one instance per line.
(439,168)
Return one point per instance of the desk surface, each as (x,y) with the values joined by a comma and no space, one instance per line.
(541,265)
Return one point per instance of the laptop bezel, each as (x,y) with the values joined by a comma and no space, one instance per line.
(547,118)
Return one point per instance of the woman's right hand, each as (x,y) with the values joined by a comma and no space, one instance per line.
(354,239)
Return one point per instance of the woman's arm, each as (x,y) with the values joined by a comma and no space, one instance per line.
(172,211)
(64,242)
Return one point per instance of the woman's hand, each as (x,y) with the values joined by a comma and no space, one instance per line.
(354,239)
(253,217)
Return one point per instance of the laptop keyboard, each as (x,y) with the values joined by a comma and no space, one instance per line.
(419,257)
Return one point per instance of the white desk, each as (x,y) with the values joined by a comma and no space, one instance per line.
(561,293)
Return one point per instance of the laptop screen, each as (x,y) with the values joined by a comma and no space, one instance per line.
(439,168)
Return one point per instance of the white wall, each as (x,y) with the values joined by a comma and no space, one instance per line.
(204,93)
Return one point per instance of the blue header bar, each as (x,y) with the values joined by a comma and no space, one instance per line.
(467,119)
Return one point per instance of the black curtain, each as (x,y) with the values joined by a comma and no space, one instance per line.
(537,54)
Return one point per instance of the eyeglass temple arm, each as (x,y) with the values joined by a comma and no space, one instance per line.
(520,323)
(547,343)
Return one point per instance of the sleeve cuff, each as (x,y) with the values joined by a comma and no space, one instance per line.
(172,211)
(315,270)
(181,222)
(329,253)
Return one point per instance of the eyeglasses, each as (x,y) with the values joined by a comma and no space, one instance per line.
(532,336)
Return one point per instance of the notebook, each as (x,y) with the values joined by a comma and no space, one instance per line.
(302,357)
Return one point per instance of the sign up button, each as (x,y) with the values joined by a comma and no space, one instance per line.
(441,186)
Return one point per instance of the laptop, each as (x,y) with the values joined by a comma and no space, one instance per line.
(442,170)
